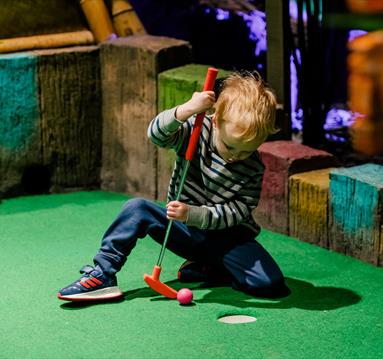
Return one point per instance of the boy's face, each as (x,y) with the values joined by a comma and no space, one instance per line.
(231,148)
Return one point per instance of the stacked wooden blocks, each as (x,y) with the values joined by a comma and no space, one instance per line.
(74,116)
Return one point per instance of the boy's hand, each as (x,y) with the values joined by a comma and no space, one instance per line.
(177,211)
(200,102)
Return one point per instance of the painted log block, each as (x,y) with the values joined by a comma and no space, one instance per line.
(129,70)
(356,204)
(283,159)
(380,258)
(175,87)
(19,120)
(70,115)
(308,206)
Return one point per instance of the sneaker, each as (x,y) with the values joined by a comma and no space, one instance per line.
(190,272)
(93,285)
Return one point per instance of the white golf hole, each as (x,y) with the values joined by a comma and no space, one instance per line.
(237,319)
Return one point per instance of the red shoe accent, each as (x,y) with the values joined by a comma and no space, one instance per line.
(95,280)
(85,284)
(89,281)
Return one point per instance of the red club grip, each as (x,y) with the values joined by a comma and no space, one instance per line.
(208,86)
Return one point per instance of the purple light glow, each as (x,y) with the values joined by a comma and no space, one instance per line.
(222,14)
(296,113)
(336,120)
(353,34)
(293,8)
(256,22)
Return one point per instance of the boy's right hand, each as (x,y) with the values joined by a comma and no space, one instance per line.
(200,102)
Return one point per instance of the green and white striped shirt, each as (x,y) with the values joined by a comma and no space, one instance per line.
(219,194)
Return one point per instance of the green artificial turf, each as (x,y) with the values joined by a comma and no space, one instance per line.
(335,309)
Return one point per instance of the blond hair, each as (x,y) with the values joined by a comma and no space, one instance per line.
(247,102)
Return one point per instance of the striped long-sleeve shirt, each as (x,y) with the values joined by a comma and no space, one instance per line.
(219,194)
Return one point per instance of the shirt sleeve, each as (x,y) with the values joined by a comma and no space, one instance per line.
(167,132)
(228,214)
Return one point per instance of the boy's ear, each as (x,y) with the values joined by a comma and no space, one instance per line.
(213,121)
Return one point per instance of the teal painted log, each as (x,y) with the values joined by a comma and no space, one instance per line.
(19,119)
(175,87)
(356,200)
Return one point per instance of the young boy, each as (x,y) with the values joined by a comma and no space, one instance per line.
(213,227)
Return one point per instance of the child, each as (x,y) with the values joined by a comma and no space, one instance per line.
(213,228)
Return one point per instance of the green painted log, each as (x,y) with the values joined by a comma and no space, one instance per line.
(356,203)
(175,87)
(129,68)
(308,206)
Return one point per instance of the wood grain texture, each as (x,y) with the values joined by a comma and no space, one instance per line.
(283,159)
(356,202)
(130,67)
(308,206)
(70,115)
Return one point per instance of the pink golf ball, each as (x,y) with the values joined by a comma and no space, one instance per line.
(185,296)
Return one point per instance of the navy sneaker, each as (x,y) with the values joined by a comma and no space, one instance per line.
(93,285)
(190,272)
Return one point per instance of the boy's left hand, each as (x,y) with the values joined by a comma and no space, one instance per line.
(177,211)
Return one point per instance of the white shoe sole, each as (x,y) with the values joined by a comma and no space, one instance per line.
(100,294)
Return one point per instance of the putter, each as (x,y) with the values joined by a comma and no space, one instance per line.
(153,280)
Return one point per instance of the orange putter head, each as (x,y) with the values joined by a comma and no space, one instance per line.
(154,282)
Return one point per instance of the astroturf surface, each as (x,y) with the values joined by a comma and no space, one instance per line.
(335,309)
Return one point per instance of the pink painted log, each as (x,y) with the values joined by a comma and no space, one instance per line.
(281,160)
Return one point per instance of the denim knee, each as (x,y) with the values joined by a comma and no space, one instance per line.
(136,203)
(263,286)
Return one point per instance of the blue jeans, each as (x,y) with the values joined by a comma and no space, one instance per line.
(232,250)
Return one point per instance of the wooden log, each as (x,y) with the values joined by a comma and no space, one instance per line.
(380,259)
(125,20)
(283,159)
(84,37)
(98,19)
(176,86)
(19,120)
(70,111)
(308,206)
(356,203)
(129,68)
